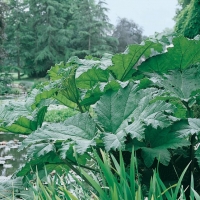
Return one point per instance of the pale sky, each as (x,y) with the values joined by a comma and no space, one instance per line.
(152,15)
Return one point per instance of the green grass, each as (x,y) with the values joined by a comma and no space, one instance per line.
(59,115)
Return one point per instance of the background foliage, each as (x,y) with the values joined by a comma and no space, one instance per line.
(127,32)
(2,27)
(187,20)
(42,33)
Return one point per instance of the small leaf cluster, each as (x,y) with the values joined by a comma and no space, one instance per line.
(142,98)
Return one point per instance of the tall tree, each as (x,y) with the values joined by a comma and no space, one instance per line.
(127,32)
(2,27)
(49,26)
(19,35)
(44,32)
(37,34)
(92,30)
(5,78)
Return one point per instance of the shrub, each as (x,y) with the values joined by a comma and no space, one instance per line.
(5,83)
(142,98)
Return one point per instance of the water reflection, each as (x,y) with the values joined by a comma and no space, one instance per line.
(10,158)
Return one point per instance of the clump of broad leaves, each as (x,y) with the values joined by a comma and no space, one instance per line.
(143,98)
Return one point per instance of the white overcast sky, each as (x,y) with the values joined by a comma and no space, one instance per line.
(152,15)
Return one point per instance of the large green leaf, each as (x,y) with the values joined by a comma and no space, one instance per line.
(17,119)
(183,84)
(12,111)
(21,126)
(85,76)
(91,96)
(38,150)
(90,72)
(127,111)
(55,71)
(149,155)
(86,65)
(64,90)
(136,130)
(153,114)
(182,128)
(67,152)
(69,86)
(62,98)
(194,125)
(158,141)
(81,129)
(40,114)
(114,141)
(123,63)
(91,77)
(183,54)
(115,107)
(40,97)
(181,110)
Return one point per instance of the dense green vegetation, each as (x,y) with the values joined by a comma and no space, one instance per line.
(34,35)
(2,27)
(143,98)
(181,5)
(187,20)
(5,78)
(5,82)
(42,33)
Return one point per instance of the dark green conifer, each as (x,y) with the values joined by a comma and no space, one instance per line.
(92,30)
(2,27)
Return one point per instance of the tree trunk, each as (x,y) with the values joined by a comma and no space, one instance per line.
(18,75)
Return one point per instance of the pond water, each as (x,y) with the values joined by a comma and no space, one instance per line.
(10,158)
